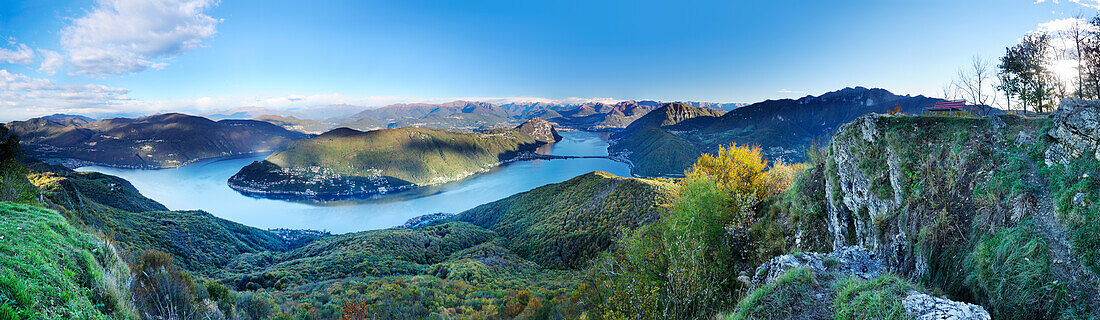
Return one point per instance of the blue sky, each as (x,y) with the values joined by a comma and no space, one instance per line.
(142,56)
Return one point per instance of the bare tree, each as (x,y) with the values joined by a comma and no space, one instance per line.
(975,83)
(1078,35)
(950,90)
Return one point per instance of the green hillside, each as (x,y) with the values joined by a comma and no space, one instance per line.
(348,163)
(656,152)
(51,270)
(111,206)
(566,224)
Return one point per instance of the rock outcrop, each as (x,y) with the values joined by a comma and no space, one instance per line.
(864,264)
(854,205)
(851,260)
(1076,131)
(921,306)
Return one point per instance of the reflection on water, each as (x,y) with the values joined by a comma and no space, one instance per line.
(203,186)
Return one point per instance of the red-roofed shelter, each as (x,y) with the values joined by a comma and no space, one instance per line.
(953,108)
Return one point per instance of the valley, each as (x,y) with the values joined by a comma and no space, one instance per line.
(549,160)
(578,245)
(178,189)
(345,164)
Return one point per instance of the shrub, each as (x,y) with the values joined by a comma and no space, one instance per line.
(255,306)
(790,296)
(1010,274)
(875,299)
(162,291)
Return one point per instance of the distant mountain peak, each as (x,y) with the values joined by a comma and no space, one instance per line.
(676,112)
(339,132)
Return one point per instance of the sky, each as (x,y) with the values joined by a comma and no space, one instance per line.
(198,56)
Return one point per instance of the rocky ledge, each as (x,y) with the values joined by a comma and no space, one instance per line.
(855,261)
(1076,131)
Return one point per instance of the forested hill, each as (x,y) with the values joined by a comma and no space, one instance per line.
(783,128)
(158,141)
(346,163)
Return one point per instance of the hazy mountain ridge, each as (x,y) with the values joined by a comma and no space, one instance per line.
(158,141)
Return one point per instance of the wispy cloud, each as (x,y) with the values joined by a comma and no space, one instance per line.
(785,91)
(22,97)
(51,61)
(18,54)
(127,36)
(1094,4)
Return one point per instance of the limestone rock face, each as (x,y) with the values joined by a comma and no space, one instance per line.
(1076,131)
(865,264)
(853,207)
(851,260)
(921,306)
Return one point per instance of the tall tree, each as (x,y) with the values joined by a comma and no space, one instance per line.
(1024,73)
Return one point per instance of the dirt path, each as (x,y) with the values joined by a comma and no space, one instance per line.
(1065,266)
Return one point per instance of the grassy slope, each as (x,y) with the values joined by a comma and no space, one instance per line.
(52,270)
(566,224)
(411,154)
(199,241)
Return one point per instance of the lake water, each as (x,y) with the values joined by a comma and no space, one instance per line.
(202,186)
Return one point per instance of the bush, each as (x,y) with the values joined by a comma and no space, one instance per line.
(876,299)
(1010,274)
(684,267)
(255,306)
(791,296)
(162,291)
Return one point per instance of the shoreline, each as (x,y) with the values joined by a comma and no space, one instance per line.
(395,190)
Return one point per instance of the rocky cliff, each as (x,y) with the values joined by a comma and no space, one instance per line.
(966,205)
(833,282)
(1076,132)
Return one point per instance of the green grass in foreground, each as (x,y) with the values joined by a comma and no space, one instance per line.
(50,270)
(789,296)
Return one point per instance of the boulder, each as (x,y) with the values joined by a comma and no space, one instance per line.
(1076,131)
(921,306)
(865,264)
(851,260)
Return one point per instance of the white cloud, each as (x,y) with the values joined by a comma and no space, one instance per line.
(126,36)
(21,54)
(1094,4)
(23,97)
(785,91)
(1063,25)
(51,61)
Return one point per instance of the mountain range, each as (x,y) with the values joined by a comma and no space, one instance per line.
(158,141)
(665,142)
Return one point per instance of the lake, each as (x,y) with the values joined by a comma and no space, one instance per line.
(202,186)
